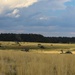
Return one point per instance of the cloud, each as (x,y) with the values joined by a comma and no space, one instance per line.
(12,4)
(14,14)
(47,17)
(6,5)
(43,18)
(53,4)
(43,8)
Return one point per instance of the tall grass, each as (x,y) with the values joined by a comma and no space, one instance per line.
(29,63)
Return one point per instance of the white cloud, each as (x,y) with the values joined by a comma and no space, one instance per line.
(17,16)
(7,5)
(43,18)
(14,14)
(12,4)
(15,11)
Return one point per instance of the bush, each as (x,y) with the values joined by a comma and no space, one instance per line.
(42,47)
(51,44)
(26,49)
(68,52)
(39,45)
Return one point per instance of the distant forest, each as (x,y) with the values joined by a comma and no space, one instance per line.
(35,38)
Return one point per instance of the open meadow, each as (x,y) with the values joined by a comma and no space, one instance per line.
(37,47)
(40,59)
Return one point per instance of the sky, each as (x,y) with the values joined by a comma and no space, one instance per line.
(46,17)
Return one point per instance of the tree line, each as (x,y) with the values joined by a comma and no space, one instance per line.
(35,38)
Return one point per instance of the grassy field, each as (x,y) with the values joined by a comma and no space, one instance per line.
(38,61)
(29,63)
(37,47)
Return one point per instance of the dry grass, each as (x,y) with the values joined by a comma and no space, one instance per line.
(37,61)
(29,63)
(47,46)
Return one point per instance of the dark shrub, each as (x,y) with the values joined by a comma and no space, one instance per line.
(26,49)
(61,52)
(39,45)
(0,46)
(42,47)
(51,44)
(68,52)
